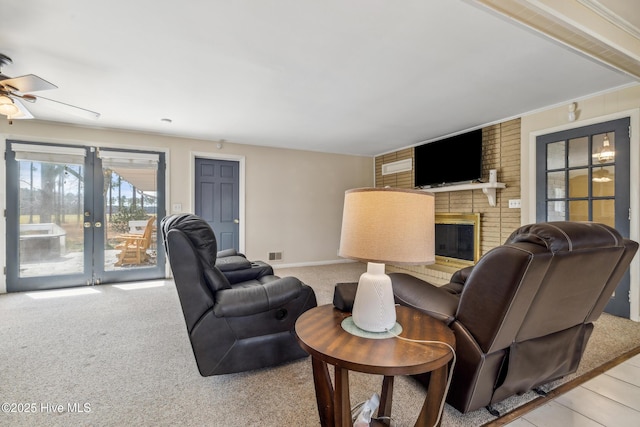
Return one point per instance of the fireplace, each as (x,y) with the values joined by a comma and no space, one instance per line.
(457,239)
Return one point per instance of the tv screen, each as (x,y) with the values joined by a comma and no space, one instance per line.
(450,160)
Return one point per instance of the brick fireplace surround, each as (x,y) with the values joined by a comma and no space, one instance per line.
(500,151)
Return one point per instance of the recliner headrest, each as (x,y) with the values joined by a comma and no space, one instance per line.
(567,236)
(198,231)
(203,240)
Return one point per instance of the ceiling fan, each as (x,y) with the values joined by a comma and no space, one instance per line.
(13,91)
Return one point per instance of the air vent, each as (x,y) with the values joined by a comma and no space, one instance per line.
(275,256)
(396,167)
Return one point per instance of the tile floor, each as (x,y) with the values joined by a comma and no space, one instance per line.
(611,399)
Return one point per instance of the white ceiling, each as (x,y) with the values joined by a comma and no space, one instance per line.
(358,76)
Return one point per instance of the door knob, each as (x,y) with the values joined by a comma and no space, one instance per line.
(98,224)
(236,221)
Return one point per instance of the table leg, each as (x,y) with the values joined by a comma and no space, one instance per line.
(341,398)
(385,400)
(324,392)
(435,396)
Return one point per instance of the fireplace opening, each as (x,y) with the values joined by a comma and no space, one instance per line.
(457,239)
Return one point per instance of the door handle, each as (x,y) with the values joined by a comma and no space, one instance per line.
(236,221)
(87,224)
(98,224)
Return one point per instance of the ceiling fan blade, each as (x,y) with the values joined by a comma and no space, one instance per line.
(24,112)
(68,108)
(28,83)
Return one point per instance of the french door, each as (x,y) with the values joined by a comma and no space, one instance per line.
(583,175)
(80,215)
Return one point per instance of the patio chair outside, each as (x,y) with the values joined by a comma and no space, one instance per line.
(133,247)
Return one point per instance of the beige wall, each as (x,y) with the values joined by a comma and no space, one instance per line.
(596,109)
(293,199)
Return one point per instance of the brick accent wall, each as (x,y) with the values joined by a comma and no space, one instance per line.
(500,151)
(396,180)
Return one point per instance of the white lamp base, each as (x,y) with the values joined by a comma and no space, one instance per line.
(374,307)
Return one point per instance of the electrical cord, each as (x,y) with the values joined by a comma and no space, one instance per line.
(453,364)
(357,406)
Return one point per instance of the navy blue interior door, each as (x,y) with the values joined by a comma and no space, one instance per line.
(217,185)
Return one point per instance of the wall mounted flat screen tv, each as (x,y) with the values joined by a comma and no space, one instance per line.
(451,160)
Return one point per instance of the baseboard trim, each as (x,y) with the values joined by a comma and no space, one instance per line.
(311,263)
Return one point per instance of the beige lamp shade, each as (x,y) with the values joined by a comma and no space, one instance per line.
(388,225)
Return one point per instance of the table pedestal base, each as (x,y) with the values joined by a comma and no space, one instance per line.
(334,404)
(320,333)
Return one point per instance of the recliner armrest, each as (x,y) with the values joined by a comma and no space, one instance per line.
(257,270)
(232,263)
(458,280)
(245,301)
(462,275)
(412,292)
(228,252)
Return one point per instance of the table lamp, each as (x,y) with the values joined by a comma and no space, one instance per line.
(384,225)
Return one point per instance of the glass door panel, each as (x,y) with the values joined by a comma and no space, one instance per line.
(131,211)
(47,242)
(555,155)
(82,216)
(556,211)
(133,203)
(580,174)
(603,181)
(603,149)
(578,152)
(603,211)
(579,210)
(50,209)
(578,183)
(556,183)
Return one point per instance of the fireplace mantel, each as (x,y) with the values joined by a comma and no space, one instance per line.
(488,188)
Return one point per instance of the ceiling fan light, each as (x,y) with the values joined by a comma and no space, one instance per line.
(7,107)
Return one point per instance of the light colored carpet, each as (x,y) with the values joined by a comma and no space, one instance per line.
(126,355)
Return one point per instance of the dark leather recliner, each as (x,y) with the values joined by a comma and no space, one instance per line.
(233,325)
(523,314)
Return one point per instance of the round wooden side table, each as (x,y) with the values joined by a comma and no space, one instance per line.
(320,333)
